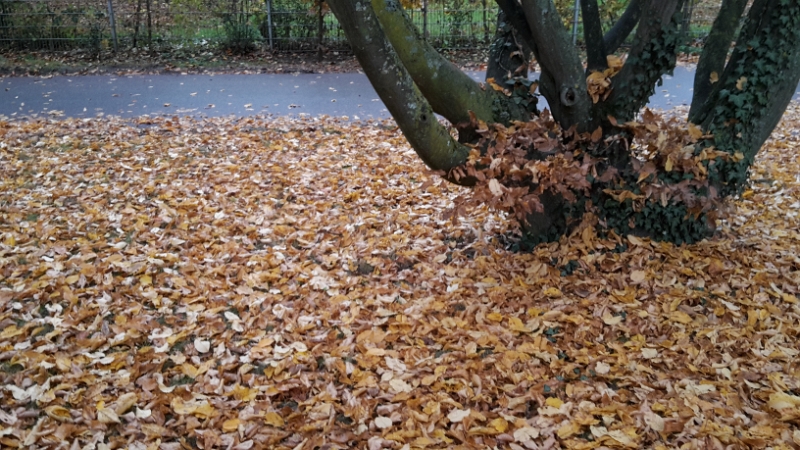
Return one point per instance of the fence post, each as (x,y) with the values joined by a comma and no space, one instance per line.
(485,23)
(425,19)
(575,22)
(320,30)
(113,23)
(269,23)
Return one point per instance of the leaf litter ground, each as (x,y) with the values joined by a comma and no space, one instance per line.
(269,283)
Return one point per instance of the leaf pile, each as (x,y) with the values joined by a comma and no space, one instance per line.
(265,283)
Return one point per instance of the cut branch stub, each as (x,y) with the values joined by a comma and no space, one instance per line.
(568,96)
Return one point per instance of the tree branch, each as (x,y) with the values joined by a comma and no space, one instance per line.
(593,35)
(715,52)
(451,92)
(394,86)
(508,57)
(516,18)
(620,31)
(564,84)
(755,88)
(653,55)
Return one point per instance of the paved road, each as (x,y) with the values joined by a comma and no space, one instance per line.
(220,95)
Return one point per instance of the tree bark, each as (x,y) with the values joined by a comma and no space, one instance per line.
(563,82)
(593,35)
(623,27)
(516,18)
(395,87)
(754,90)
(715,53)
(136,22)
(451,92)
(652,55)
(507,57)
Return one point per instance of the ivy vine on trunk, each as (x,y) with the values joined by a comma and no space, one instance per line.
(594,154)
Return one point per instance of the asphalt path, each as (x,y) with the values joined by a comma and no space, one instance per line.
(351,95)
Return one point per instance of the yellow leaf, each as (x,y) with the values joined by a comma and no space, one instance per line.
(680,317)
(780,400)
(199,408)
(58,413)
(668,165)
(495,316)
(106,415)
(695,132)
(555,402)
(614,62)
(273,419)
(243,393)
(428,380)
(552,292)
(611,320)
(635,240)
(568,430)
(740,83)
(515,324)
(125,402)
(146,280)
(11,331)
(230,425)
(714,77)
(499,424)
(72,279)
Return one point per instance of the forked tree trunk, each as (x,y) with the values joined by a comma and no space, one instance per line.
(755,87)
(740,109)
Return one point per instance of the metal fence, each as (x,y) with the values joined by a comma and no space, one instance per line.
(284,25)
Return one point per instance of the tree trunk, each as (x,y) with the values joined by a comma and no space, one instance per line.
(715,53)
(451,92)
(593,36)
(652,56)
(149,25)
(396,88)
(595,166)
(562,82)
(755,88)
(136,22)
(507,57)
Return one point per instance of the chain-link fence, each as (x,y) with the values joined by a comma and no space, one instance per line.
(284,25)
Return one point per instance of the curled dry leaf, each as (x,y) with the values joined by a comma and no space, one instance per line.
(457,415)
(383,422)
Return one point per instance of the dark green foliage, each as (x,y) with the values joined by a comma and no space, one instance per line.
(42,26)
(747,92)
(240,36)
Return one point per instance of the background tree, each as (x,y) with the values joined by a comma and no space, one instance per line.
(652,177)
